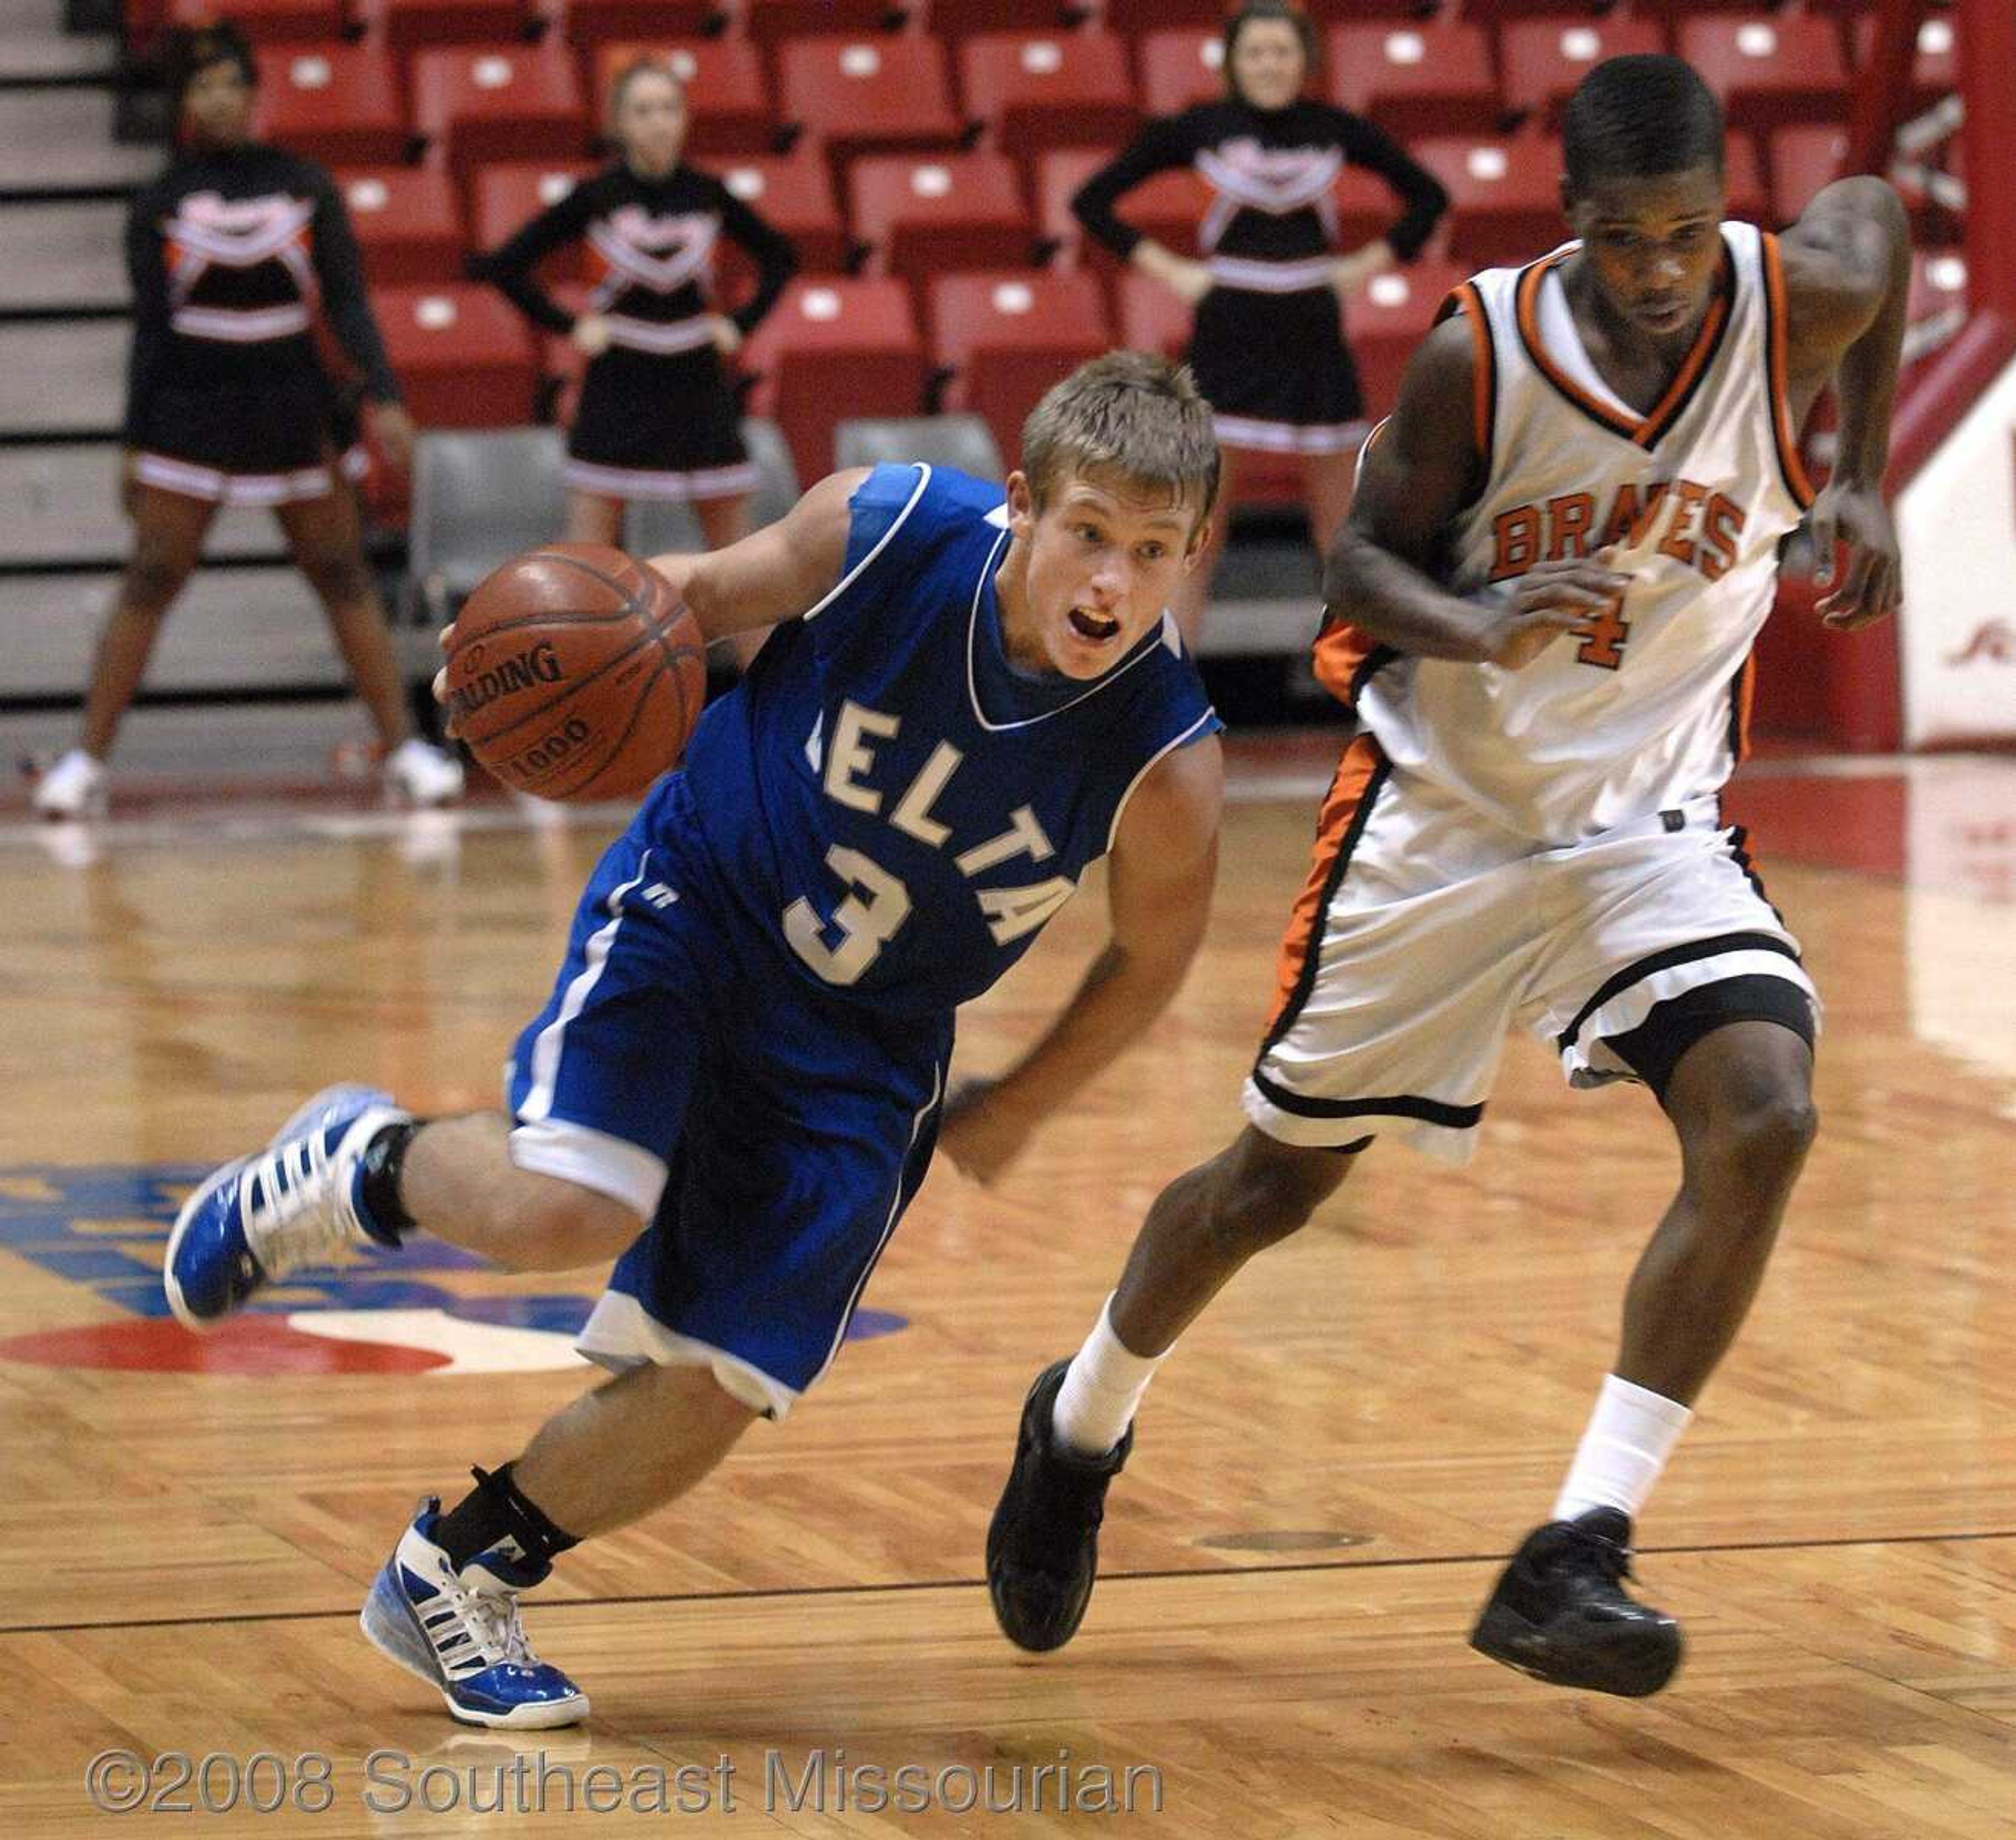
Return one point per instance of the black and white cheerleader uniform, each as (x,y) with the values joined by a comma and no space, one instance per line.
(231,252)
(1267,345)
(659,417)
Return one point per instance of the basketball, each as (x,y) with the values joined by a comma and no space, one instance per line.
(575,672)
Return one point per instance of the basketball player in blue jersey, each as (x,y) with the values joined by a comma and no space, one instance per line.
(1564,544)
(963,703)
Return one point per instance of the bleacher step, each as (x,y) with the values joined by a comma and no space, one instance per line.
(58,140)
(60,506)
(248,629)
(34,43)
(62,377)
(63,255)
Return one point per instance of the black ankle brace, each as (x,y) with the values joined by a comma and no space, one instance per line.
(525,1520)
(378,1182)
(498,1509)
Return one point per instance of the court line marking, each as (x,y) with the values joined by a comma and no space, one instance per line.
(791,1593)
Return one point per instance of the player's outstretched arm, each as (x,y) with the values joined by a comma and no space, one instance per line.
(1848,279)
(1422,465)
(772,575)
(1159,875)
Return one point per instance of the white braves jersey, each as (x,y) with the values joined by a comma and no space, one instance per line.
(1641,709)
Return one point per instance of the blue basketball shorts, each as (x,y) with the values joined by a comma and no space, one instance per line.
(771,1135)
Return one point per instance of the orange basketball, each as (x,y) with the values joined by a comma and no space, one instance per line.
(575,672)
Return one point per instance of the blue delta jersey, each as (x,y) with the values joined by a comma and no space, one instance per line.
(899,808)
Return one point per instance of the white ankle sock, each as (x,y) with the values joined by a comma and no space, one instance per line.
(1103,1386)
(1631,1434)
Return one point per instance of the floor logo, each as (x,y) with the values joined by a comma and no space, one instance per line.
(429,1308)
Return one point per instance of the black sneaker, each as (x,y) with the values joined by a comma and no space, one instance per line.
(1042,1546)
(1560,1612)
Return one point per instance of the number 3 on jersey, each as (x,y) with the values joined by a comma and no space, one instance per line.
(1604,636)
(877,905)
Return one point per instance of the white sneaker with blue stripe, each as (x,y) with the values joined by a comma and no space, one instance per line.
(292,1205)
(460,1632)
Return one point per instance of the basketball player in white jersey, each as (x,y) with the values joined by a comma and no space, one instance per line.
(1542,609)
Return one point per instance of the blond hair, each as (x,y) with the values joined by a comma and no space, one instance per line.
(1130,412)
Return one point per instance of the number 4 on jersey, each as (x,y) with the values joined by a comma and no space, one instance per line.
(1604,636)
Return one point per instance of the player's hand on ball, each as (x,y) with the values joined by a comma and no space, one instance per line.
(981,1136)
(591,334)
(1875,583)
(727,336)
(1550,599)
(440,686)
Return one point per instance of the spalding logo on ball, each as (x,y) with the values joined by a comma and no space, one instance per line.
(575,672)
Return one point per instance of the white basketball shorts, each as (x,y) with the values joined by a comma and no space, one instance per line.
(1425,931)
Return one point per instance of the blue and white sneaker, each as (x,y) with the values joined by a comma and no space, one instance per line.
(459,1632)
(292,1203)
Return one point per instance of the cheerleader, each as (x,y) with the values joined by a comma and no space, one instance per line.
(658,417)
(1267,343)
(232,250)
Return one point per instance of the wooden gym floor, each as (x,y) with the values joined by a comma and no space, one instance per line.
(1328,1471)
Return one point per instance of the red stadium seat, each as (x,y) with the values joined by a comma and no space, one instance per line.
(507,196)
(1006,338)
(1543,59)
(1769,70)
(957,21)
(1169,208)
(1151,317)
(1180,68)
(404,25)
(835,346)
(1036,91)
(338,103)
(407,222)
(463,356)
(1804,160)
(1687,6)
(1506,16)
(267,22)
(1344,12)
(1137,16)
(1419,77)
(1388,318)
(792,194)
(1743,177)
(867,95)
(943,210)
(1935,70)
(1505,196)
(518,102)
(728,96)
(1505,13)
(589,24)
(769,22)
